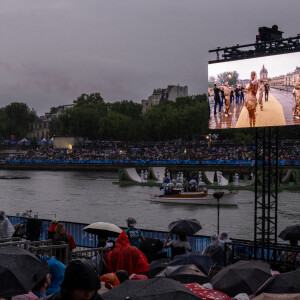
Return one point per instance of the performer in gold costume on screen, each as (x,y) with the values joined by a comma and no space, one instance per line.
(296,93)
(227,91)
(251,100)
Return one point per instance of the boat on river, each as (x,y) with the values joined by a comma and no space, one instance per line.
(199,198)
(14,177)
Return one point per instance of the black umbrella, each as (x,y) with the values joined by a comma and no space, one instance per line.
(20,271)
(284,283)
(151,289)
(241,277)
(202,262)
(185,227)
(291,233)
(157,265)
(184,274)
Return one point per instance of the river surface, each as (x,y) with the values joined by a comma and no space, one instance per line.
(91,196)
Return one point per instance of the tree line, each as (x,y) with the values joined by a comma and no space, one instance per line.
(92,118)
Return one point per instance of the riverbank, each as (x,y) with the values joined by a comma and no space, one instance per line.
(114,167)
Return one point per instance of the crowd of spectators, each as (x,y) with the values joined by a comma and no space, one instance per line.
(157,152)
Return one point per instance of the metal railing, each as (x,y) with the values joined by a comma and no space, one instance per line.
(278,256)
(61,252)
(11,239)
(84,239)
(21,243)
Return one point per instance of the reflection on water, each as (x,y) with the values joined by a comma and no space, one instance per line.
(91,196)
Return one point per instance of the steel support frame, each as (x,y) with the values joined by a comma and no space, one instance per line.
(266,186)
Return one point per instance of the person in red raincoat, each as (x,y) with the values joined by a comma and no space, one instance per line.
(126,257)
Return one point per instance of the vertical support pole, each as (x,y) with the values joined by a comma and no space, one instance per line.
(256,191)
(269,191)
(276,184)
(218,226)
(263,204)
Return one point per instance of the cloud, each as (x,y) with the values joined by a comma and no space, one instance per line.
(52,51)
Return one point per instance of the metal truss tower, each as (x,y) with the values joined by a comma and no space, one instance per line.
(266,185)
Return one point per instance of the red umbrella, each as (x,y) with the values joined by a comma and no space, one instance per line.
(206,294)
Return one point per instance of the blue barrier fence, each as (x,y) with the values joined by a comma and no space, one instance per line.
(238,248)
(84,239)
(147,162)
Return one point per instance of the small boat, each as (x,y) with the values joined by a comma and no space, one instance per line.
(203,198)
(14,177)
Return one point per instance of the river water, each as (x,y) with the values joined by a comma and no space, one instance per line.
(91,196)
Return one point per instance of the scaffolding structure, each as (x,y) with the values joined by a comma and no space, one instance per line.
(266,145)
(266,186)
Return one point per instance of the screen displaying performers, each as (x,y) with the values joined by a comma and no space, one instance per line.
(256,92)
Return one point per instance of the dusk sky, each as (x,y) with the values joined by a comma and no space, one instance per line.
(53,51)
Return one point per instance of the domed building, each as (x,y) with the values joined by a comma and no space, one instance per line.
(263,75)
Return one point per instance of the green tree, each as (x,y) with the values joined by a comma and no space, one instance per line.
(225,77)
(87,100)
(130,109)
(211,81)
(16,119)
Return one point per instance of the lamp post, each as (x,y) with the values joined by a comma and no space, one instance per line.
(218,196)
(208,137)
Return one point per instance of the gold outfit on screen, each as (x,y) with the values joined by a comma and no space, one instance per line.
(227,99)
(250,104)
(297,98)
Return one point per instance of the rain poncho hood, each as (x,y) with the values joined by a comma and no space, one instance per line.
(126,257)
(6,228)
(57,270)
(216,251)
(52,227)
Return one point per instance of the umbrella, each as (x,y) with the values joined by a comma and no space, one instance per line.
(156,288)
(266,296)
(203,263)
(206,294)
(20,271)
(241,277)
(185,227)
(283,283)
(291,233)
(103,228)
(184,274)
(157,265)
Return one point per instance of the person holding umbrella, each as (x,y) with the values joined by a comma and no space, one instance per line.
(292,234)
(179,246)
(182,228)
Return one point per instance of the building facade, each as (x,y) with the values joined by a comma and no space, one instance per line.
(263,75)
(285,81)
(161,95)
(40,127)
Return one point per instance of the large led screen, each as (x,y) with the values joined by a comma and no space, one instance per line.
(257,92)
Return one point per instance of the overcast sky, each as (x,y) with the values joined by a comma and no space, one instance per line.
(54,50)
(276,65)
